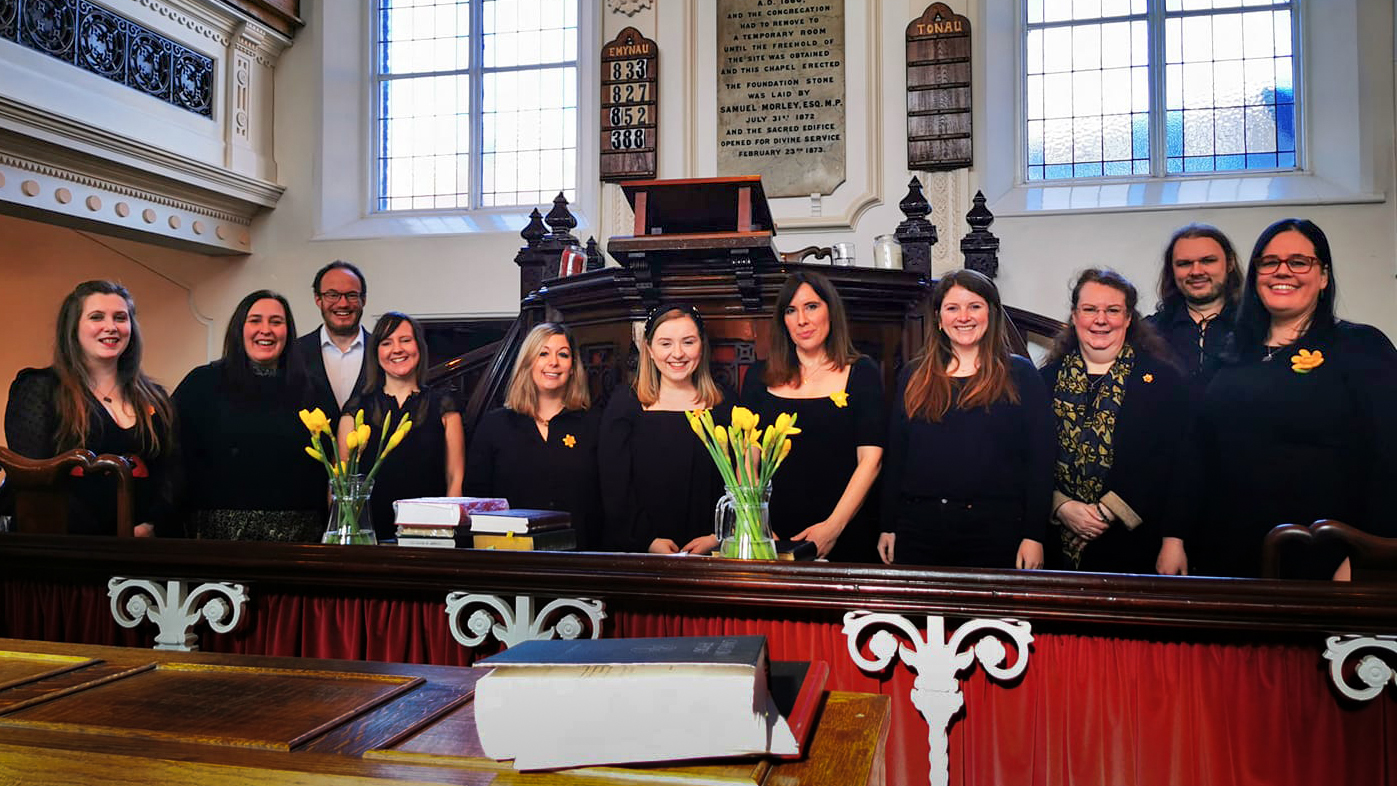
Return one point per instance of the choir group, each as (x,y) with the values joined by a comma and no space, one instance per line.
(1166,443)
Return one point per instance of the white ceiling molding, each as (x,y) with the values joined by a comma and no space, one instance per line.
(85,150)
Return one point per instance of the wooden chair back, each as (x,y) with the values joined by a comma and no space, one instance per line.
(1371,558)
(41,499)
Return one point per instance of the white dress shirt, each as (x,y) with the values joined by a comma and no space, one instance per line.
(342,367)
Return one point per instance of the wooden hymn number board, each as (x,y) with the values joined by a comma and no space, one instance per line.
(629,104)
(938,90)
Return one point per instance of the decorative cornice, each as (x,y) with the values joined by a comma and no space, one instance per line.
(222,24)
(114,187)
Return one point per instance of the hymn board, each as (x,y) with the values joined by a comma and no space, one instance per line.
(629,106)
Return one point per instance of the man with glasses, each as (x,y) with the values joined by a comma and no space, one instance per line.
(1199,289)
(334,353)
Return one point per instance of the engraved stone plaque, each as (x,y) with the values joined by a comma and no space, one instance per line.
(781,93)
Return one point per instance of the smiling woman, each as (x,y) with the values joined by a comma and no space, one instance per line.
(95,396)
(246,473)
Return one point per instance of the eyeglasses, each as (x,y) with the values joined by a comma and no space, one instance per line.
(1112,312)
(1297,264)
(333,296)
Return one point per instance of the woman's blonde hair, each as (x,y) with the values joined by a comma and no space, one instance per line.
(647,379)
(522,396)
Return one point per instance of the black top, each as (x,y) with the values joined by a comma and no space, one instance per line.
(246,452)
(1283,447)
(657,479)
(1197,347)
(308,354)
(31,429)
(509,458)
(824,455)
(1001,454)
(1149,472)
(417,467)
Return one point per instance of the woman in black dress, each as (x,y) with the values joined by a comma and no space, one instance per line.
(431,459)
(968,474)
(95,396)
(813,371)
(659,485)
(1300,425)
(1121,409)
(540,449)
(242,444)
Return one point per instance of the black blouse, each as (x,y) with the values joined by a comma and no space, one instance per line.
(246,452)
(824,456)
(1150,470)
(1003,453)
(31,429)
(1278,446)
(417,467)
(509,458)
(658,480)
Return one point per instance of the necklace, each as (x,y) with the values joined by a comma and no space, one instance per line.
(107,397)
(1271,351)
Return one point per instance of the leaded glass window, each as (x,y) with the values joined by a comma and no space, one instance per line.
(476,103)
(1119,88)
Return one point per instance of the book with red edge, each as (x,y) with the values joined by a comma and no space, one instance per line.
(448,511)
(621,701)
(520,521)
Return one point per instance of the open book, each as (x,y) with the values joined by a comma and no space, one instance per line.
(551,704)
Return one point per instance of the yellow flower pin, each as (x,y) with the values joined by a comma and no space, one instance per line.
(840,398)
(570,441)
(1306,361)
(1148,378)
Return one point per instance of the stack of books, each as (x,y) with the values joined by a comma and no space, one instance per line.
(524,529)
(432,521)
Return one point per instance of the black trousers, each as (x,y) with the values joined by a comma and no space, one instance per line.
(958,533)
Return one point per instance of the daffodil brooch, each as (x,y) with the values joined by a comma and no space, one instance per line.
(840,398)
(570,441)
(1306,361)
(1148,378)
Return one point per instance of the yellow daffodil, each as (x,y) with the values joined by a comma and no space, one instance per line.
(784,421)
(570,441)
(720,436)
(351,440)
(840,398)
(315,454)
(315,421)
(363,431)
(359,419)
(1148,378)
(695,423)
(1306,361)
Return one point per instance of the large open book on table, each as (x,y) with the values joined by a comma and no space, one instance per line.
(551,704)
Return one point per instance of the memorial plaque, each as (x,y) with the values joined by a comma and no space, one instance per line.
(938,90)
(630,102)
(781,93)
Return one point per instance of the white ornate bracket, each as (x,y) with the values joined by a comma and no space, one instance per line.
(938,662)
(561,618)
(1372,670)
(175,609)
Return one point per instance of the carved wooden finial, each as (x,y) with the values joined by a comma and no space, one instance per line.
(916,234)
(535,230)
(980,246)
(595,260)
(561,220)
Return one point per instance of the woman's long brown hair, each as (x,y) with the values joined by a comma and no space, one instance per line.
(146,397)
(929,390)
(782,365)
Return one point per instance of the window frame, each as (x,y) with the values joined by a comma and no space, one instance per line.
(1337,166)
(1155,18)
(345,157)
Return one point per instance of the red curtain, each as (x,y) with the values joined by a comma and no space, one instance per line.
(1088,709)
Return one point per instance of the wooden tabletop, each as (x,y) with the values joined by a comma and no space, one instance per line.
(78,714)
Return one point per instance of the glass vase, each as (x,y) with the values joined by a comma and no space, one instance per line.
(742,523)
(350,521)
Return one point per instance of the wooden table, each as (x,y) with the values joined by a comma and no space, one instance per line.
(76,714)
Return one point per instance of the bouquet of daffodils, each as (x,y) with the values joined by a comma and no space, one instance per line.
(348,489)
(747,458)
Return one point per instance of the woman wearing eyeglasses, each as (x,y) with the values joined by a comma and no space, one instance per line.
(1301,425)
(1120,410)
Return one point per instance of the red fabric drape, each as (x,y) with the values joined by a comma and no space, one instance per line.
(1088,709)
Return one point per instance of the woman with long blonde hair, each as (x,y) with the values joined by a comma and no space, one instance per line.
(659,485)
(968,474)
(540,449)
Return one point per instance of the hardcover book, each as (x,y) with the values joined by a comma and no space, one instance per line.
(451,511)
(617,701)
(552,540)
(520,521)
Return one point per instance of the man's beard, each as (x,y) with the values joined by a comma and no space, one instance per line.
(1209,300)
(351,330)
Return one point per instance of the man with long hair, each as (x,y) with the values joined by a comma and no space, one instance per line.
(1200,285)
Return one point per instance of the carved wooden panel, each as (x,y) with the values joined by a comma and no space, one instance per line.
(938,90)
